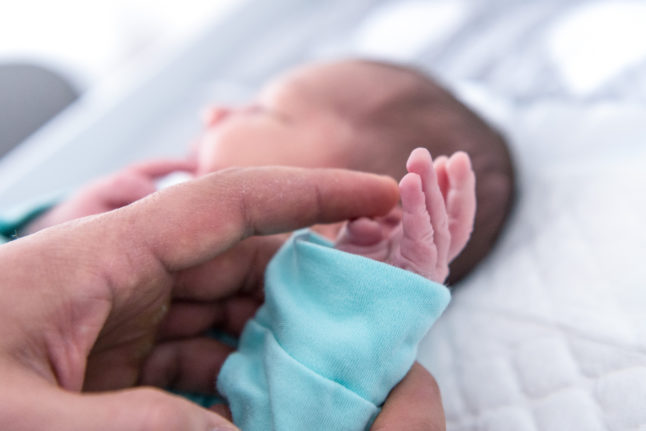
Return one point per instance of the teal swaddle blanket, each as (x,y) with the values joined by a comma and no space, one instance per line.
(336,333)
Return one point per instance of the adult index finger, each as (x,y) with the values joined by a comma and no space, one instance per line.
(189,224)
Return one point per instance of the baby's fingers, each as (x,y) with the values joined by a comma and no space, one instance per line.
(418,249)
(440,169)
(460,201)
(420,163)
(360,232)
(363,236)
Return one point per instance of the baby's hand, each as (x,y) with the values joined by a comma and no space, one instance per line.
(432,226)
(111,192)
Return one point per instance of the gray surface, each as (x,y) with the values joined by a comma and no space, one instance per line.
(29,96)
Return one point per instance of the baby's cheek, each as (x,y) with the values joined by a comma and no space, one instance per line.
(231,146)
(208,158)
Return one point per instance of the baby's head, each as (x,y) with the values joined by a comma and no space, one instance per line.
(365,116)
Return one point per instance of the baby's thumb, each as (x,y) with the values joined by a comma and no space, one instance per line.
(142,409)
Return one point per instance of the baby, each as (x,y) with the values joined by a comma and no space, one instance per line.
(353,114)
(359,115)
(365,116)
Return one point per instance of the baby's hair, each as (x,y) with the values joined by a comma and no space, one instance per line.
(418,112)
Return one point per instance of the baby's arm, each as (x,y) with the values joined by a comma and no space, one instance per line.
(432,226)
(111,192)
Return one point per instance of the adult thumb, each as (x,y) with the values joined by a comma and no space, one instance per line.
(141,409)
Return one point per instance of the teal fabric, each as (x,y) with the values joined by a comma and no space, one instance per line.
(12,220)
(336,333)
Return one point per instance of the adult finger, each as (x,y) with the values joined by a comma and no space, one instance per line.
(239,270)
(187,365)
(190,318)
(460,201)
(205,217)
(224,292)
(142,409)
(439,164)
(414,404)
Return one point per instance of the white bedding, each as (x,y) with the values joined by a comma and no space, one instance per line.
(549,334)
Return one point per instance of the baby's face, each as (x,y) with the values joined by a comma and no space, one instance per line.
(288,124)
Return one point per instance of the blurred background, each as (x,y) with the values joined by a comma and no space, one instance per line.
(89,40)
(160,63)
(52,52)
(549,333)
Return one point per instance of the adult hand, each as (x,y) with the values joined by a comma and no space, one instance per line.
(82,301)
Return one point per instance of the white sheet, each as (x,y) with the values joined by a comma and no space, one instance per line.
(550,333)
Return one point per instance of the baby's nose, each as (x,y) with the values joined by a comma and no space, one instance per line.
(211,116)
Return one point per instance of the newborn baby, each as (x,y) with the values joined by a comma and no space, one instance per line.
(353,114)
(365,116)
